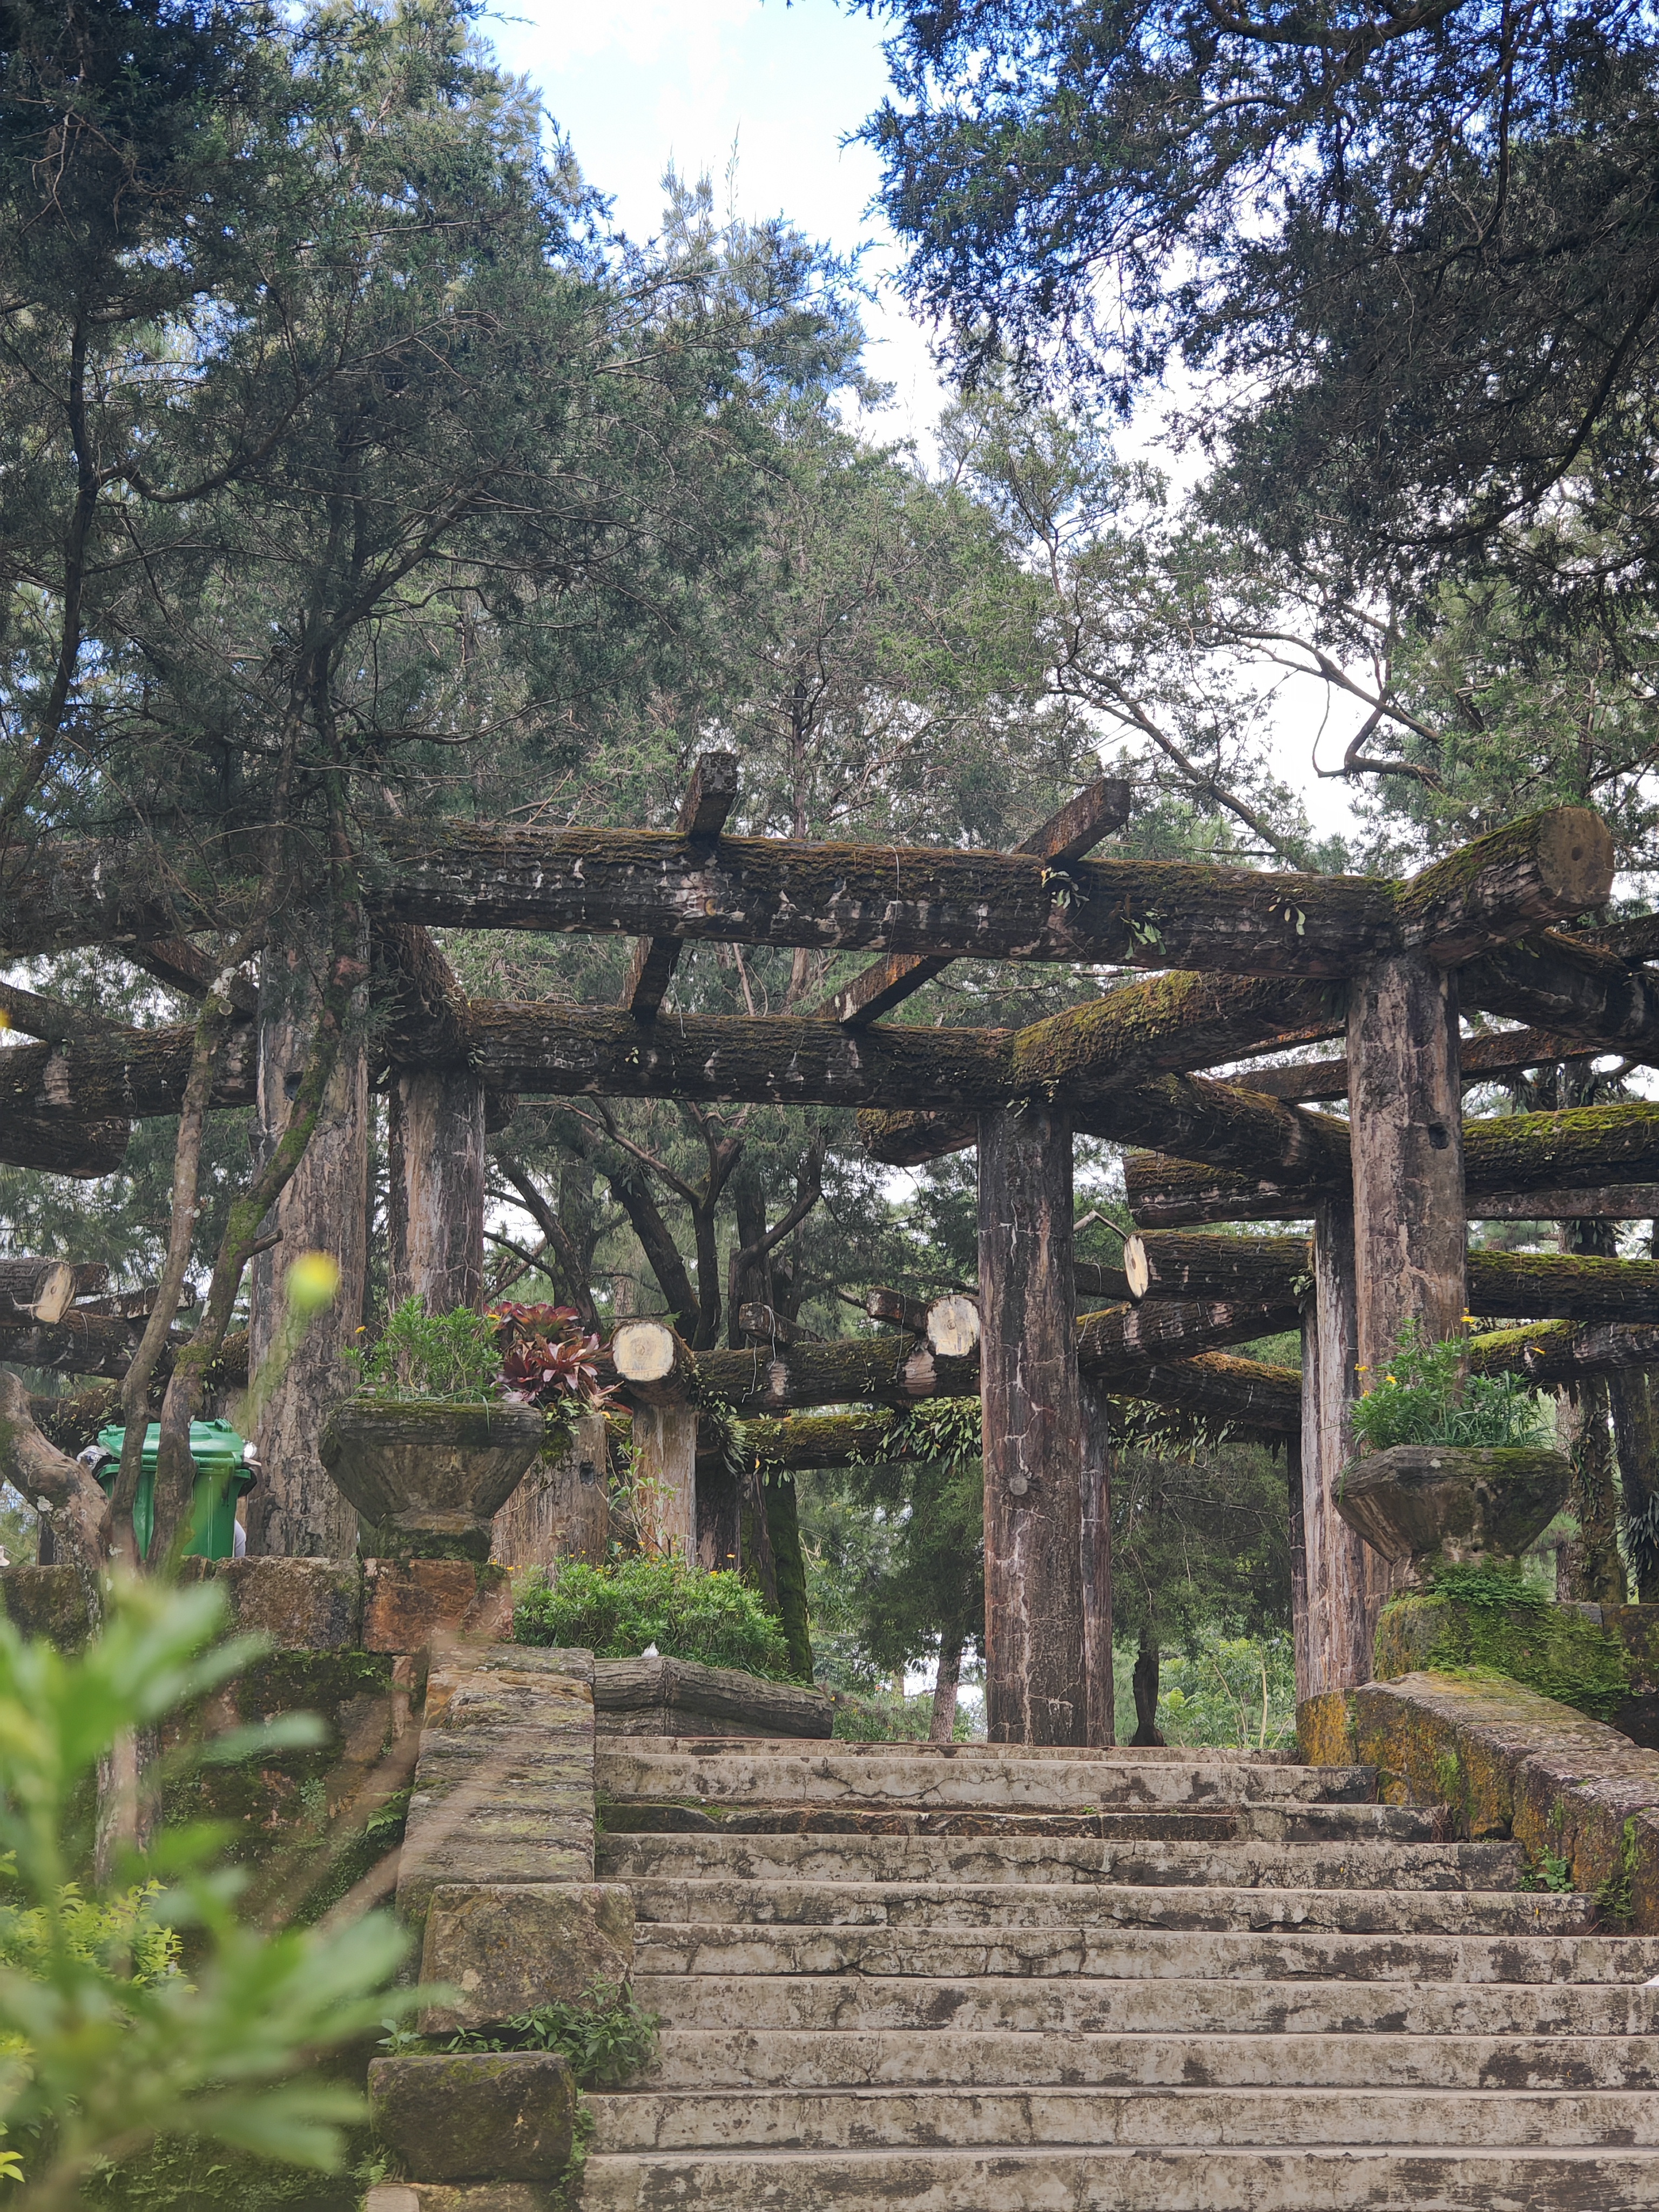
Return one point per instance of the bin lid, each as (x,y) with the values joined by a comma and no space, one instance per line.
(213,1445)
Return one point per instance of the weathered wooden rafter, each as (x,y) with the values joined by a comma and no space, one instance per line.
(84,1149)
(709,798)
(1078,828)
(1504,1054)
(185,967)
(1564,1286)
(1571,987)
(1563,1353)
(1506,1154)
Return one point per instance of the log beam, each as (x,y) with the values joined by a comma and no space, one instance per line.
(1506,1052)
(1555,1285)
(31,1015)
(1078,828)
(1504,1154)
(711,796)
(83,1149)
(128,1073)
(1032,1429)
(185,967)
(1571,987)
(936,900)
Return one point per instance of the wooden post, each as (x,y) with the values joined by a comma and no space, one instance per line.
(1033,1430)
(296,1511)
(436,1141)
(655,1369)
(1099,1453)
(561,1510)
(1299,1642)
(1405,1109)
(1333,1554)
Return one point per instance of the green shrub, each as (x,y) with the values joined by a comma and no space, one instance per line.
(447,1355)
(606,2037)
(117,1934)
(1426,1398)
(616,1611)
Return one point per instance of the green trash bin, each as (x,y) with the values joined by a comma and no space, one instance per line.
(222,1476)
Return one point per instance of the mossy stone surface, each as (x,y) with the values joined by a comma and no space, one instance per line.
(1555,1649)
(476,2115)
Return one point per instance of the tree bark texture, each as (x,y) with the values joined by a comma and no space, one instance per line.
(296,1511)
(1099,1453)
(561,1510)
(1335,1556)
(436,1147)
(1145,1683)
(1300,1643)
(1031,1414)
(720,1493)
(942,1723)
(1405,1102)
(1562,984)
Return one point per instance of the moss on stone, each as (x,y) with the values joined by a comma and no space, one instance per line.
(1552,1648)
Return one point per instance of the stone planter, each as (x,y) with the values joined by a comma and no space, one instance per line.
(427,1477)
(1433,1503)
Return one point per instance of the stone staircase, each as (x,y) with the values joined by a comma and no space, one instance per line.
(960,1979)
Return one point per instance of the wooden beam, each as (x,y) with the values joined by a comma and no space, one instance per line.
(32,1016)
(711,796)
(1562,1352)
(83,1149)
(1566,1285)
(1572,989)
(185,967)
(1633,1202)
(96,1344)
(131,1071)
(1078,828)
(1506,1052)
(1506,1155)
(1032,1432)
(1405,1108)
(33,1291)
(1010,906)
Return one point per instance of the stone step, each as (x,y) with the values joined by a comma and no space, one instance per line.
(1276,1822)
(636,1770)
(1005,1905)
(1047,2005)
(1144,1954)
(976,1748)
(1017,1859)
(979,2119)
(1126,2179)
(769,2057)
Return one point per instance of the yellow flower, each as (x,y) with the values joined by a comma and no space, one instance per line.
(313,1282)
(1392,1378)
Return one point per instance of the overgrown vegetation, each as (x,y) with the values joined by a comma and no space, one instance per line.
(605,2035)
(619,1611)
(1425,1397)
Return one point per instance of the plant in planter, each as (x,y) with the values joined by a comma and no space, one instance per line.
(447,1420)
(1454,1467)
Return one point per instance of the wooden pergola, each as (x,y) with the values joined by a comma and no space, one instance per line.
(1238,965)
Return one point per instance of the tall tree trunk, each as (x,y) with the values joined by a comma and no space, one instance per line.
(942,1725)
(1099,1453)
(1333,1554)
(1145,1683)
(436,1141)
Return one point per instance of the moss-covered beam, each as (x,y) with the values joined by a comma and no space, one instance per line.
(1554,1353)
(1502,1154)
(1566,1285)
(1571,988)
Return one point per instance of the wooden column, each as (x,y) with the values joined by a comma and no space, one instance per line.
(435,1143)
(656,1369)
(1333,1554)
(296,1511)
(1099,1452)
(1405,1106)
(1033,1431)
(1299,1642)
(561,1510)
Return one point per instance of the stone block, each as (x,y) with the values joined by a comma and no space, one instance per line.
(46,1602)
(410,1604)
(301,1605)
(1324,1729)
(1563,1651)
(504,1783)
(476,2115)
(506,1947)
(1513,1764)
(474,2197)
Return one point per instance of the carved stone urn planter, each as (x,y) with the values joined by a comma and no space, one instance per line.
(1434,1503)
(427,1476)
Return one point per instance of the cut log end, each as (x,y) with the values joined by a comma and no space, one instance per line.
(953,1328)
(651,1361)
(1135,1267)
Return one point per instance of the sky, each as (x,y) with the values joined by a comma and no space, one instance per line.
(760,96)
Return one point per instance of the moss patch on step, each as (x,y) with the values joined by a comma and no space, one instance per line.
(1489,1623)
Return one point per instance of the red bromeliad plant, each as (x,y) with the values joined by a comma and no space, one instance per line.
(548,1359)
